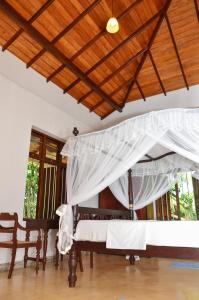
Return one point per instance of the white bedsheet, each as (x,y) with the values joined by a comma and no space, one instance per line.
(126,234)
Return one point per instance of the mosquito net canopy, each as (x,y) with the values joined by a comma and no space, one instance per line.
(102,158)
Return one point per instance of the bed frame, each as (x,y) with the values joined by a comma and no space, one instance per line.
(100,247)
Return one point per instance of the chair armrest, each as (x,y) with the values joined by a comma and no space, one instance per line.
(20,227)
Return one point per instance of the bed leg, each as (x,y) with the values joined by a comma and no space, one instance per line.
(132,260)
(72,264)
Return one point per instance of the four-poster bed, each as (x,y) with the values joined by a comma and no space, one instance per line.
(125,158)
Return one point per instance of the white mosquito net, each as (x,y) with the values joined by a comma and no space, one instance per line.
(102,159)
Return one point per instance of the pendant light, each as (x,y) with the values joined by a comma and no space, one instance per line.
(112,25)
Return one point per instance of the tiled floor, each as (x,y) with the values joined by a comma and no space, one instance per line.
(112,278)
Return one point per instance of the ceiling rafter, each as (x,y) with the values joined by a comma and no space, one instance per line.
(106,79)
(93,40)
(64,31)
(144,57)
(197,8)
(140,90)
(177,52)
(131,82)
(9,11)
(125,41)
(30,21)
(157,73)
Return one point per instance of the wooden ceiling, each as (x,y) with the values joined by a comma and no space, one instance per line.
(155,51)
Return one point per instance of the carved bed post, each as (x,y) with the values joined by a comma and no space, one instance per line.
(130,190)
(73,257)
(72,262)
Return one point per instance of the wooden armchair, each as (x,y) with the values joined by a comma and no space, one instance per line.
(14,244)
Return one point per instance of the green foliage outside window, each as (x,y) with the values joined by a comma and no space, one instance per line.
(186,197)
(30,203)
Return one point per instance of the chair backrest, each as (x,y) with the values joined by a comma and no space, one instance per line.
(7,217)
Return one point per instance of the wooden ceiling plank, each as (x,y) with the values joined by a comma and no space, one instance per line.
(108,114)
(197,8)
(10,12)
(140,90)
(67,29)
(125,41)
(157,73)
(100,34)
(176,51)
(124,84)
(154,34)
(129,61)
(30,21)
(103,31)
(55,73)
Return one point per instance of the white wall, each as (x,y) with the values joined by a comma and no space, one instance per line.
(19,111)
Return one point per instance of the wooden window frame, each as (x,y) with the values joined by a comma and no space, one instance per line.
(42,159)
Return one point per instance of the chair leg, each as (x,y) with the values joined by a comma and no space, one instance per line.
(91,260)
(26,249)
(12,263)
(37,258)
(25,257)
(80,261)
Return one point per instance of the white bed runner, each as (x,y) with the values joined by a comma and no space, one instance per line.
(126,234)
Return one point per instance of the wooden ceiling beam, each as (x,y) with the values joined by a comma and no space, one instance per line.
(132,82)
(93,40)
(125,41)
(176,51)
(67,29)
(122,67)
(154,34)
(57,71)
(9,11)
(197,8)
(124,84)
(157,73)
(30,21)
(140,90)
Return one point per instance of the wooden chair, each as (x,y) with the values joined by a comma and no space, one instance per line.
(14,244)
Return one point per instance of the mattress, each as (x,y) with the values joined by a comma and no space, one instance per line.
(127,234)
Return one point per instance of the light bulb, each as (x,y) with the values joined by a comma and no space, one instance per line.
(112,25)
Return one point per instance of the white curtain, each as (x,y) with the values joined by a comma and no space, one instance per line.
(98,159)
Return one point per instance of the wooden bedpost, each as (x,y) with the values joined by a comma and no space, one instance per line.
(73,257)
(130,190)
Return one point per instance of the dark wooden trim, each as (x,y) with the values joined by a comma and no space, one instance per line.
(129,61)
(154,34)
(125,41)
(130,193)
(67,29)
(140,90)
(30,21)
(93,40)
(157,73)
(103,31)
(151,251)
(19,20)
(55,73)
(102,211)
(177,52)
(156,158)
(197,8)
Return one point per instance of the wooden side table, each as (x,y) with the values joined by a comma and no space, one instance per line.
(45,225)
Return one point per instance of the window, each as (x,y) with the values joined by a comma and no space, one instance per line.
(46,177)
(180,203)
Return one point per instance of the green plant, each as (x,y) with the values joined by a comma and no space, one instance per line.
(30,202)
